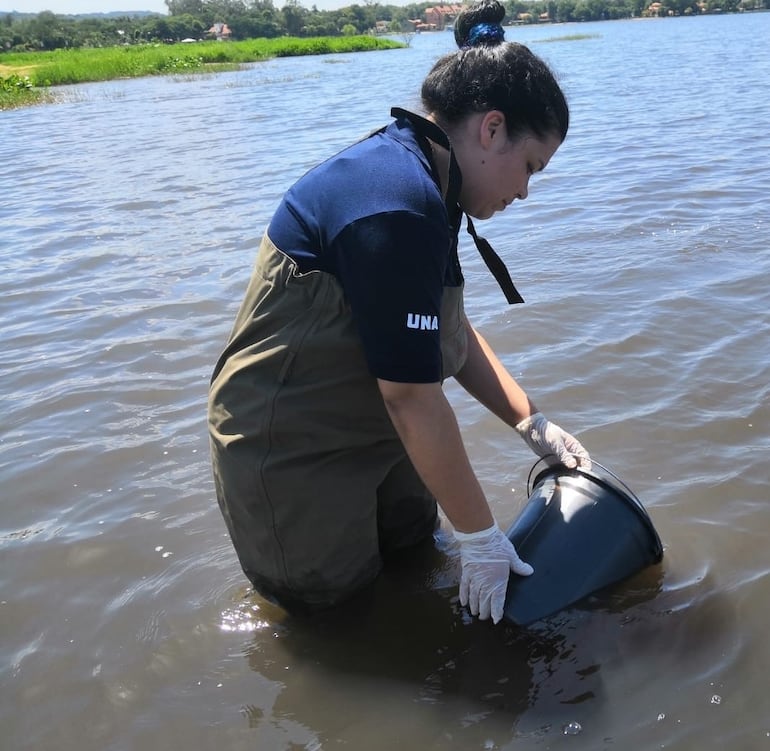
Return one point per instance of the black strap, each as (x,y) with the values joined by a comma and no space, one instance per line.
(429,129)
(495,265)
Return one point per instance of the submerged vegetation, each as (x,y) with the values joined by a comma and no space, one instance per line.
(26,76)
(568,38)
(17,91)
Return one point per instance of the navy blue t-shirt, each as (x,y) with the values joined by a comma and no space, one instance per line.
(374,217)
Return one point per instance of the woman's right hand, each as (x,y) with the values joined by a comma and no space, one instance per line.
(487,558)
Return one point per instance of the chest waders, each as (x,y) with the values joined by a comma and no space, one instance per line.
(312,480)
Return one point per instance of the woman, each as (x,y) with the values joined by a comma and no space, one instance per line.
(332,440)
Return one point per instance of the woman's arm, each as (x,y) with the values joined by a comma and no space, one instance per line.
(426,424)
(428,429)
(486,379)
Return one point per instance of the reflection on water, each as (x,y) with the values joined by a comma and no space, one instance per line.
(130,214)
(414,654)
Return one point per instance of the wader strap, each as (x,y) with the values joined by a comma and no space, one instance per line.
(495,265)
(428,129)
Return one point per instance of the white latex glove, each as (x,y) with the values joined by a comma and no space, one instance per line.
(547,439)
(487,558)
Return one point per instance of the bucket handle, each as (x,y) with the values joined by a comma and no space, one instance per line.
(594,463)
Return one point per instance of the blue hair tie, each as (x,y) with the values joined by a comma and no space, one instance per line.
(485,32)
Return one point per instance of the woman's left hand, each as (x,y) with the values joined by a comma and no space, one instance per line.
(547,439)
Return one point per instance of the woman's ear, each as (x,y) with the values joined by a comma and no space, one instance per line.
(492,130)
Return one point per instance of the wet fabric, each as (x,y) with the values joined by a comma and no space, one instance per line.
(311,477)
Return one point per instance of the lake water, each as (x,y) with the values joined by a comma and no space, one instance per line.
(130,212)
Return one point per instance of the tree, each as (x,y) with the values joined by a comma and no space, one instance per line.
(185,26)
(186,7)
(158,28)
(45,30)
(400,21)
(565,11)
(294,17)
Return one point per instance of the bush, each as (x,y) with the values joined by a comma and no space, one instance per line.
(17,91)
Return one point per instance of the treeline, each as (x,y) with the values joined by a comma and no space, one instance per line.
(192,19)
(249,19)
(565,11)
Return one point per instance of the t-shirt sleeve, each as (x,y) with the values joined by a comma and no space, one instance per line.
(392,268)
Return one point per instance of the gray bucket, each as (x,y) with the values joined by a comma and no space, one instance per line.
(582,530)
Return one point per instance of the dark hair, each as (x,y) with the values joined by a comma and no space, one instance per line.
(488,73)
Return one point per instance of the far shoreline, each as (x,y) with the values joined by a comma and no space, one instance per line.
(26,78)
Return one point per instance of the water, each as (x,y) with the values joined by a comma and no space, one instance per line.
(129,214)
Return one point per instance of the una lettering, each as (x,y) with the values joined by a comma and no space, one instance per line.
(426,323)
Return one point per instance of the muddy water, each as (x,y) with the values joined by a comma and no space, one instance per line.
(130,213)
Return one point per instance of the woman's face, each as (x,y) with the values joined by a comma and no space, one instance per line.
(496,169)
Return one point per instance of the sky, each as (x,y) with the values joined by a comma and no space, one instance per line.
(156,6)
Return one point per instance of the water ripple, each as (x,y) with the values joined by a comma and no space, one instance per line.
(129,230)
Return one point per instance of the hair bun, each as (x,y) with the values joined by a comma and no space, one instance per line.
(480,24)
(485,33)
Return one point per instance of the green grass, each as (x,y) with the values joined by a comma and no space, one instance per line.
(25,75)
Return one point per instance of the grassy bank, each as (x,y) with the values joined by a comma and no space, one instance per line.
(25,77)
